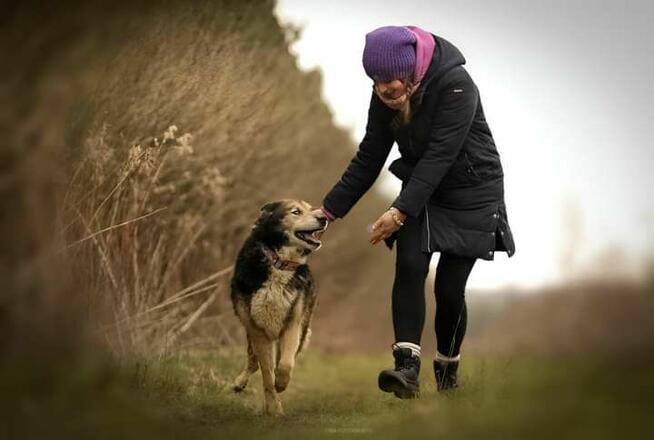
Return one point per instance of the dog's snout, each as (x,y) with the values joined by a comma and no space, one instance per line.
(320,216)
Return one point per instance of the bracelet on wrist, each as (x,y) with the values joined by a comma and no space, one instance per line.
(393,210)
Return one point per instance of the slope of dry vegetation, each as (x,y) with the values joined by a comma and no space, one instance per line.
(141,141)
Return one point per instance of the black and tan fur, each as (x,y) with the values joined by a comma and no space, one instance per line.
(276,305)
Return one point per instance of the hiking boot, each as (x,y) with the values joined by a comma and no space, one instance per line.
(403,380)
(445,373)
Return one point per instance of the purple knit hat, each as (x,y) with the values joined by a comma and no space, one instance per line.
(389,53)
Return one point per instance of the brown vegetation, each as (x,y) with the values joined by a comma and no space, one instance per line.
(608,319)
(141,142)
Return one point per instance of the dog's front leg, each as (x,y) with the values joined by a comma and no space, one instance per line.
(264,351)
(289,343)
(251,367)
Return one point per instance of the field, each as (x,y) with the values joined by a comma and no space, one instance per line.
(331,396)
(141,140)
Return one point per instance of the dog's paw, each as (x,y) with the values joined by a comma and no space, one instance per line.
(276,411)
(239,384)
(282,378)
(272,406)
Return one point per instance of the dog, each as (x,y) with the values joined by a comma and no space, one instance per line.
(273,295)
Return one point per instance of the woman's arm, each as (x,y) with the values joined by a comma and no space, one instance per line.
(454,114)
(366,164)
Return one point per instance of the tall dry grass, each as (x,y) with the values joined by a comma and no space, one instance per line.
(141,141)
(130,229)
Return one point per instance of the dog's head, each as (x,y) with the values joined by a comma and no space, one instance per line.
(290,222)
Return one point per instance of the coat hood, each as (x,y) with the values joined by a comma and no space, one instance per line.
(446,56)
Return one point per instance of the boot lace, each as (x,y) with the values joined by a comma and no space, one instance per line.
(407,363)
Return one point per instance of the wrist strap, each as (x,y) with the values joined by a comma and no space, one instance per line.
(327,213)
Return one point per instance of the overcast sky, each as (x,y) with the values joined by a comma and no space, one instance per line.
(566,88)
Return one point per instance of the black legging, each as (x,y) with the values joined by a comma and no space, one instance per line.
(411,268)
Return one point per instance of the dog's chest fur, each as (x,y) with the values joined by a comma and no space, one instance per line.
(272,302)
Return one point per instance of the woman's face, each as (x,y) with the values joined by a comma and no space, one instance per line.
(392,89)
(395,94)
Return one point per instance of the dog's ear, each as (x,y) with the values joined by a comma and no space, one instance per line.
(268,207)
(266,212)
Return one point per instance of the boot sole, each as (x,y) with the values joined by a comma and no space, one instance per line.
(396,385)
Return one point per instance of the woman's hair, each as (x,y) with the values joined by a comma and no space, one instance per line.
(405,112)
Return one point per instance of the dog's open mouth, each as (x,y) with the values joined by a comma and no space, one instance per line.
(312,236)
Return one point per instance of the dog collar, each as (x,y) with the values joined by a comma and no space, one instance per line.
(278,263)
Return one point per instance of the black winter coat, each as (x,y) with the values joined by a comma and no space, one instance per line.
(452,178)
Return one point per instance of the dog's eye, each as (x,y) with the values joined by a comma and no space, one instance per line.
(296,211)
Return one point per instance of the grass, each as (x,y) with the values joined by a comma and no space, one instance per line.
(330,396)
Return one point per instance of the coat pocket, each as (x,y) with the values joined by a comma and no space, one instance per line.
(467,232)
(472,172)
(482,218)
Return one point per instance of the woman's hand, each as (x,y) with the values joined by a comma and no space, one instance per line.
(323,212)
(385,226)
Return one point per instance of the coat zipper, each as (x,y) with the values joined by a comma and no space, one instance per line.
(428,237)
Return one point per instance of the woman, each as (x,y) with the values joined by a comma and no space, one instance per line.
(452,197)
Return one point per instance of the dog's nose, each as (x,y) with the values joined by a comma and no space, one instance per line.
(320,216)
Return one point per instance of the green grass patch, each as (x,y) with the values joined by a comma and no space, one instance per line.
(330,396)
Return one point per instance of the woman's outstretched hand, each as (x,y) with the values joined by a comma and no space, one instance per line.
(323,212)
(385,226)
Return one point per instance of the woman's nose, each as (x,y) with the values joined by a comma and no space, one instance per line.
(382,87)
